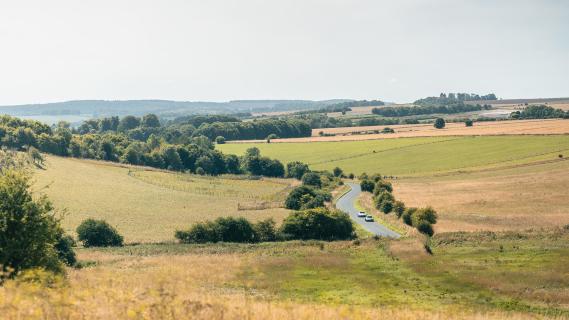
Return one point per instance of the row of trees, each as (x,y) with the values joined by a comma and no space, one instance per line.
(255,130)
(318,224)
(197,155)
(450,98)
(539,112)
(457,107)
(384,200)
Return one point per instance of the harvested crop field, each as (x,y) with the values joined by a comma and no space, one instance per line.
(514,127)
(149,205)
(520,197)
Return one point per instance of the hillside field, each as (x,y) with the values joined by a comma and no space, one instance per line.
(415,156)
(149,205)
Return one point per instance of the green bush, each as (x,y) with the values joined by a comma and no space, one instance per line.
(468,123)
(426,228)
(427,214)
(337,172)
(382,186)
(305,197)
(407,216)
(98,233)
(367,185)
(296,169)
(320,224)
(386,206)
(312,179)
(222,229)
(439,123)
(29,233)
(265,230)
(199,233)
(220,140)
(64,248)
(399,208)
(384,196)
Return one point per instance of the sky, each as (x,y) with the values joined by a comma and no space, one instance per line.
(219,50)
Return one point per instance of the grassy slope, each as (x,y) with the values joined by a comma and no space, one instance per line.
(149,205)
(415,156)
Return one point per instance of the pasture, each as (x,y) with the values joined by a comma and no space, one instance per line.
(149,205)
(415,156)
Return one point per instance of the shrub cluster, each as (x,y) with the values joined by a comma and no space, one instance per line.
(319,223)
(383,198)
(98,233)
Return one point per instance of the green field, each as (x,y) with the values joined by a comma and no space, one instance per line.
(414,156)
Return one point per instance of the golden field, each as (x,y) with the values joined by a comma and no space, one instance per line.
(514,198)
(489,128)
(149,205)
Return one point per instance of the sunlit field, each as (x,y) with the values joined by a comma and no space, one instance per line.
(415,156)
(149,205)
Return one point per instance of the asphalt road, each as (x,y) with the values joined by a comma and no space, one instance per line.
(346,204)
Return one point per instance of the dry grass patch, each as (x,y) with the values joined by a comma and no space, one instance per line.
(507,199)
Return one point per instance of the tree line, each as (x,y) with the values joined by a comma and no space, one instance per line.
(445,99)
(455,107)
(195,154)
(539,112)
(420,218)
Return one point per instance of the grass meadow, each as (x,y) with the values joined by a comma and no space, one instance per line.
(415,156)
(149,205)
(369,279)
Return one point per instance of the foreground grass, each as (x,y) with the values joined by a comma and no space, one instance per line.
(530,268)
(369,279)
(148,206)
(415,156)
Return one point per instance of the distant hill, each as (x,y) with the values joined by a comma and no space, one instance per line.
(78,110)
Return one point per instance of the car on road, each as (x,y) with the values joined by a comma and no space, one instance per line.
(369,218)
(361,214)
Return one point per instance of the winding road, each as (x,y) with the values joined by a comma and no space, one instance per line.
(346,204)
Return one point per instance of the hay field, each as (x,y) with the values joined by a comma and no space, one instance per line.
(293,280)
(415,156)
(534,196)
(513,127)
(148,206)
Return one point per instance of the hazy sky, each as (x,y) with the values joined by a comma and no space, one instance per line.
(307,49)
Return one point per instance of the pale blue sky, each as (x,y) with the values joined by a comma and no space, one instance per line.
(289,49)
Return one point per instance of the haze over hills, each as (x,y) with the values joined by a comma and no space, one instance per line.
(77,110)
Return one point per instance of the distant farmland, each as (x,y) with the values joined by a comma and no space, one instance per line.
(415,156)
(514,127)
